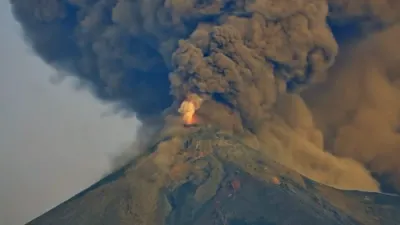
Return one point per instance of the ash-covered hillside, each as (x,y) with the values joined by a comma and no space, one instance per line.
(216,179)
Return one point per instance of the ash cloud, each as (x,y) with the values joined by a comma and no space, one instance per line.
(358,108)
(261,67)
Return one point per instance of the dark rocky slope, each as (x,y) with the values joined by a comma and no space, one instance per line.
(212,178)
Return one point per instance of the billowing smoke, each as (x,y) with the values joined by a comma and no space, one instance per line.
(358,108)
(262,69)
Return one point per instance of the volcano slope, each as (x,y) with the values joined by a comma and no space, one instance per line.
(210,177)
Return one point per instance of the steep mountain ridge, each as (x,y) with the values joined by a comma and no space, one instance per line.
(216,179)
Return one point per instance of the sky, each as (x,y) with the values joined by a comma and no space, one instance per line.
(54,140)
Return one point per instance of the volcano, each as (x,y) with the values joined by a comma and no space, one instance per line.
(216,179)
(269,111)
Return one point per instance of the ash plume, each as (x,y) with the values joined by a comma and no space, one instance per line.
(358,109)
(263,69)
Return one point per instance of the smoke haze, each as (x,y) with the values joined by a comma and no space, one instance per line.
(313,84)
(358,108)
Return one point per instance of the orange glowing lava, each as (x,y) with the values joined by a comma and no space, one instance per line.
(189,107)
(189,117)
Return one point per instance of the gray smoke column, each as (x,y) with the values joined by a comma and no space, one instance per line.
(247,59)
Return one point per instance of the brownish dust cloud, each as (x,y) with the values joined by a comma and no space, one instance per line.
(313,84)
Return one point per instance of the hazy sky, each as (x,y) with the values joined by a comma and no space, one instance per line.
(54,141)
